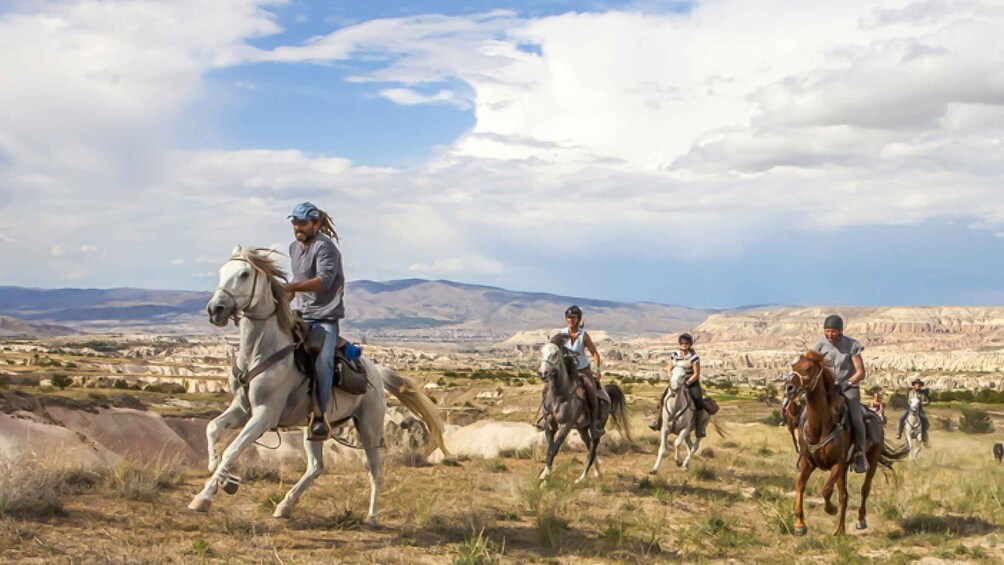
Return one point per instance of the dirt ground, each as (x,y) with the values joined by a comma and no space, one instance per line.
(733,505)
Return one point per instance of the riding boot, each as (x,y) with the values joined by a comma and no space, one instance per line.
(658,421)
(700,430)
(860,461)
(593,405)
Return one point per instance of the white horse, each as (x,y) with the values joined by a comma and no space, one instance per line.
(678,418)
(251,290)
(913,426)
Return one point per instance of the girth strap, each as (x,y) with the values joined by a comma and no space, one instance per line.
(244,377)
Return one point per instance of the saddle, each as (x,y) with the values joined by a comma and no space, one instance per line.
(350,375)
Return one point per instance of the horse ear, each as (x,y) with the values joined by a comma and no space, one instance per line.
(237,251)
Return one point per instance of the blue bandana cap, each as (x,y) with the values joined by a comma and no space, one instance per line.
(305,211)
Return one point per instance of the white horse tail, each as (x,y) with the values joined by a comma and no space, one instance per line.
(722,430)
(415,400)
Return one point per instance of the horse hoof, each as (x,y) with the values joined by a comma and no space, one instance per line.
(799,532)
(831,510)
(372,522)
(679,463)
(653,472)
(200,505)
(231,485)
(861,525)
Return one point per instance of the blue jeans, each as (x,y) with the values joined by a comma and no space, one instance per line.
(324,365)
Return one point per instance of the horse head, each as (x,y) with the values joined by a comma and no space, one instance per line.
(806,374)
(677,377)
(550,362)
(245,284)
(914,403)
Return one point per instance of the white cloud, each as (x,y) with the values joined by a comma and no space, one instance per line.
(457,266)
(177,262)
(6,239)
(63,251)
(623,128)
(411,97)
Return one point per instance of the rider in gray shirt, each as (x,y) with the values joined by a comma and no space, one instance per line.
(317,290)
(849,369)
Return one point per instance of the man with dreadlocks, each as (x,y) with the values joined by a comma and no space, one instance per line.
(317,289)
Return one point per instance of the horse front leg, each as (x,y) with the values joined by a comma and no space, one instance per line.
(260,422)
(842,490)
(828,490)
(691,450)
(681,436)
(663,440)
(233,416)
(804,470)
(315,466)
(552,449)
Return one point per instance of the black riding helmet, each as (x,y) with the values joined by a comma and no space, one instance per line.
(833,322)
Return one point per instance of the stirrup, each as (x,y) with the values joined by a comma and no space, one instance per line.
(315,435)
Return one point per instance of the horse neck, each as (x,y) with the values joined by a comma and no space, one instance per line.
(562,385)
(819,408)
(261,338)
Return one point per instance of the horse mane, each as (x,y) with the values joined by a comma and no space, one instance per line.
(260,258)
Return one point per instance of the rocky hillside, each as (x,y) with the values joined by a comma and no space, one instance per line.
(14,327)
(412,309)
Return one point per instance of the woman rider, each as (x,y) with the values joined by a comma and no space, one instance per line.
(575,339)
(687,358)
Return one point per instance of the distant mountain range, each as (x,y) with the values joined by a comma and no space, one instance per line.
(403,307)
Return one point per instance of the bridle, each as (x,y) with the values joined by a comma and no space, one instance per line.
(802,389)
(242,312)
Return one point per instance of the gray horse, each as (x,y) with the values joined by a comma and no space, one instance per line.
(565,408)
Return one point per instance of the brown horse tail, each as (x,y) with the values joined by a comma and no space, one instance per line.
(618,410)
(890,454)
(415,400)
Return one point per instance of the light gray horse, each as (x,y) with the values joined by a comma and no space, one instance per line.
(564,407)
(913,425)
(250,290)
(678,418)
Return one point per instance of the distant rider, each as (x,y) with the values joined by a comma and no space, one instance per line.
(925,399)
(687,358)
(317,288)
(844,354)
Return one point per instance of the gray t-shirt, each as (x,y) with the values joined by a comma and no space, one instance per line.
(841,355)
(320,258)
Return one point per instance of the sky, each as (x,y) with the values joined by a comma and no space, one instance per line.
(717,153)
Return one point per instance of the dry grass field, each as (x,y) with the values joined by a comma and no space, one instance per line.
(733,505)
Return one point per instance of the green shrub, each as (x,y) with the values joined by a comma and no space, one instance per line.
(61,381)
(975,421)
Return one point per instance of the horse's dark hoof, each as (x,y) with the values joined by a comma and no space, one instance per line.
(831,509)
(861,525)
(231,485)
(799,532)
(653,472)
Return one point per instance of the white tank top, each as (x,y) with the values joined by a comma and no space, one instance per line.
(578,347)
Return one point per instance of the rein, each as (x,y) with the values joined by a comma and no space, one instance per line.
(240,312)
(244,376)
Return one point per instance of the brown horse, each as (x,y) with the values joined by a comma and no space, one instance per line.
(825,441)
